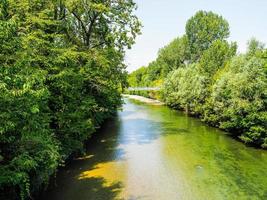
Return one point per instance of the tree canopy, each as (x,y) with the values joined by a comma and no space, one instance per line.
(204,28)
(60,77)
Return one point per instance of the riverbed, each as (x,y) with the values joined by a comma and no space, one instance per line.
(151,152)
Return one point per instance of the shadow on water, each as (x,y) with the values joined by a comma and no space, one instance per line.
(72,182)
(93,176)
(146,123)
(144,131)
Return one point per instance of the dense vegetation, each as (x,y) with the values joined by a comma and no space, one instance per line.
(203,75)
(60,75)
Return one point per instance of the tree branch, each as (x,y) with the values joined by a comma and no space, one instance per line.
(90,29)
(80,21)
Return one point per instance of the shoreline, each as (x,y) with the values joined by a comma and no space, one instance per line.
(157,102)
(143,99)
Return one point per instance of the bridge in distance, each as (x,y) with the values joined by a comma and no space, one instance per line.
(143,88)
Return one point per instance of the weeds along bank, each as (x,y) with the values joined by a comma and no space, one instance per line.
(60,76)
(201,73)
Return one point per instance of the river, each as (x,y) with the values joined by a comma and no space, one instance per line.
(151,152)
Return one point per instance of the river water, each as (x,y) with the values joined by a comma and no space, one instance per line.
(151,152)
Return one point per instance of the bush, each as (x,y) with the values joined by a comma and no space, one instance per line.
(185,88)
(238,100)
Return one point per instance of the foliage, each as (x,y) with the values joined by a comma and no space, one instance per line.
(216,57)
(238,100)
(138,77)
(61,71)
(255,48)
(171,57)
(185,88)
(204,28)
(100,22)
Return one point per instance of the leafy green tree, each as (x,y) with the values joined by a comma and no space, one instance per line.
(154,72)
(99,23)
(170,57)
(61,71)
(138,78)
(204,28)
(216,57)
(173,56)
(238,100)
(28,149)
(255,48)
(185,88)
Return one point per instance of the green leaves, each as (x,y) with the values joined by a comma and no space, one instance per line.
(242,92)
(100,7)
(174,55)
(216,57)
(170,57)
(35,109)
(100,24)
(185,88)
(204,28)
(62,67)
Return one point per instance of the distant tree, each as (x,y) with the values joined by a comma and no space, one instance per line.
(154,71)
(173,55)
(254,47)
(138,77)
(202,29)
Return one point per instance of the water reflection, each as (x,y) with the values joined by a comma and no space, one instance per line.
(153,152)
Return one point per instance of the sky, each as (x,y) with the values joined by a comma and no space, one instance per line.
(164,20)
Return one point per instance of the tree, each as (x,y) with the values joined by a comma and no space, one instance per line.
(170,57)
(154,72)
(254,47)
(185,89)
(238,100)
(173,56)
(28,149)
(216,57)
(204,28)
(61,71)
(100,23)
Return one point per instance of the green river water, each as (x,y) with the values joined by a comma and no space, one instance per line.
(151,152)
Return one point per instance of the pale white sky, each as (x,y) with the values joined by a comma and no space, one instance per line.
(163,20)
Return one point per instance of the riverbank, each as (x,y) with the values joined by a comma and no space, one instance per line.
(157,102)
(143,99)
